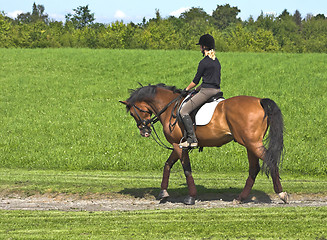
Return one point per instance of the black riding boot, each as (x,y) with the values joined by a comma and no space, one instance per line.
(191,140)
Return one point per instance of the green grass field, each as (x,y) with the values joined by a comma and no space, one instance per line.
(230,223)
(220,223)
(145,184)
(60,109)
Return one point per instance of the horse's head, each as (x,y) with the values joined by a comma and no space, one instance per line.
(146,100)
(142,115)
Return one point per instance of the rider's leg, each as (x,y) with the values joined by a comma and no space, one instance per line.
(197,100)
(191,140)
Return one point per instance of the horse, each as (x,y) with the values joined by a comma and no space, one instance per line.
(243,119)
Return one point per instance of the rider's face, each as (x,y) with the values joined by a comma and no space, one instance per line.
(202,49)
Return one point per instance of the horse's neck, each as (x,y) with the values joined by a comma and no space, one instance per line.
(162,99)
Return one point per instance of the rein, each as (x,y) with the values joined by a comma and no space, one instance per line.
(159,142)
(155,119)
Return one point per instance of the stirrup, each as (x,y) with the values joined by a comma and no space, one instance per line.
(186,144)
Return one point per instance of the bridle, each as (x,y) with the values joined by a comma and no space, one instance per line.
(154,119)
(142,124)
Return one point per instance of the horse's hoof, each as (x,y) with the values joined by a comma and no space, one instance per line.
(163,194)
(237,202)
(189,200)
(284,196)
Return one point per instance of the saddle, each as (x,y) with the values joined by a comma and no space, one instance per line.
(202,115)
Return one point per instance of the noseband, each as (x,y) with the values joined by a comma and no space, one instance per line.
(142,123)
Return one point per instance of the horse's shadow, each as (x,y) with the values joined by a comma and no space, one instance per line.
(177,195)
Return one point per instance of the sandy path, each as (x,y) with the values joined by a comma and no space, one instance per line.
(69,203)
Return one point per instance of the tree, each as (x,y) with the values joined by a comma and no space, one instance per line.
(36,15)
(287,32)
(157,19)
(81,18)
(240,39)
(24,18)
(158,16)
(194,14)
(266,21)
(314,33)
(285,15)
(297,18)
(225,15)
(320,16)
(5,31)
(309,17)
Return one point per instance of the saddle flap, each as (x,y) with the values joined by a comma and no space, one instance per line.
(205,113)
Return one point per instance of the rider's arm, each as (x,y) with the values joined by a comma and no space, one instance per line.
(190,86)
(197,77)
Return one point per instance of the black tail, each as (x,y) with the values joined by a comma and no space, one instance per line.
(274,141)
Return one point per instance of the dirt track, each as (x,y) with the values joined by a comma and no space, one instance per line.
(73,203)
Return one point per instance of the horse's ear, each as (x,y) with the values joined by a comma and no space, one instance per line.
(124,102)
(127,105)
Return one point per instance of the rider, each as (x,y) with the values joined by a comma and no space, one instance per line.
(209,69)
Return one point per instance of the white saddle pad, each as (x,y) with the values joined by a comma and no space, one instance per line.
(205,113)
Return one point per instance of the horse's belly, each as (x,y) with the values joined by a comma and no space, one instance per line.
(214,140)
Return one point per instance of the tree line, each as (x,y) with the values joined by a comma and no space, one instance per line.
(267,33)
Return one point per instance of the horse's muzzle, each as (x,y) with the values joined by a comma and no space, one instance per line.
(145,132)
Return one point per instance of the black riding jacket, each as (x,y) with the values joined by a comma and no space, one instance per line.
(209,70)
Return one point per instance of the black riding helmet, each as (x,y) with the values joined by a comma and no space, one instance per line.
(208,41)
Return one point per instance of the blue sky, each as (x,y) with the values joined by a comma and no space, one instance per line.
(107,11)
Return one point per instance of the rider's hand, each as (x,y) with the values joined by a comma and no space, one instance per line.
(184,93)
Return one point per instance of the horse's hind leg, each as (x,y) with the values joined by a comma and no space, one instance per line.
(254,169)
(174,156)
(254,153)
(278,186)
(275,177)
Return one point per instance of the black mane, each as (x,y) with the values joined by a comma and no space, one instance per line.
(148,92)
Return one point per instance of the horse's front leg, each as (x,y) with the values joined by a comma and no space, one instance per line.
(185,160)
(174,156)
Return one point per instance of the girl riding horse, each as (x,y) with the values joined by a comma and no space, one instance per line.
(209,69)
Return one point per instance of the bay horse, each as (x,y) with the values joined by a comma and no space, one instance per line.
(244,119)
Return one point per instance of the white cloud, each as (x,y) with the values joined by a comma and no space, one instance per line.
(178,12)
(14,14)
(120,15)
(57,17)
